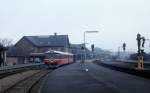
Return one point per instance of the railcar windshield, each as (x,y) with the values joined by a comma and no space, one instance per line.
(53,56)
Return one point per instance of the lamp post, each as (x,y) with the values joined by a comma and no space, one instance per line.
(85,43)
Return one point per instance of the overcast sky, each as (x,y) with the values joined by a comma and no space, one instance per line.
(117,21)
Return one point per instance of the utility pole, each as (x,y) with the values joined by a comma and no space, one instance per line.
(119,52)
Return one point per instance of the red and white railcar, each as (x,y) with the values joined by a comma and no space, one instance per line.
(58,58)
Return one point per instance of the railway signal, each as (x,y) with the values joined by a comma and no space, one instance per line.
(140,44)
(124,47)
(82,47)
(143,38)
(92,47)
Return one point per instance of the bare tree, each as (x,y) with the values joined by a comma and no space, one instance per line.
(6,42)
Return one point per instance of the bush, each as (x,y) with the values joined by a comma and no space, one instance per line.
(135,56)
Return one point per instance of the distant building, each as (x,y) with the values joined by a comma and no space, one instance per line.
(38,44)
(78,52)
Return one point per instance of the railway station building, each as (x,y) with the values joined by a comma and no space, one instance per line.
(38,44)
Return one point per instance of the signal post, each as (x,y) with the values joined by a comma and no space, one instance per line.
(140,43)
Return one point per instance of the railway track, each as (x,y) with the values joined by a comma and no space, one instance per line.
(26,85)
(9,72)
(5,74)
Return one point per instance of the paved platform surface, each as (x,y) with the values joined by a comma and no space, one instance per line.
(74,79)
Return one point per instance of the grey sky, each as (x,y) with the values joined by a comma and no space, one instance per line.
(117,20)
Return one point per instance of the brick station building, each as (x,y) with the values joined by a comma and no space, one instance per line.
(38,44)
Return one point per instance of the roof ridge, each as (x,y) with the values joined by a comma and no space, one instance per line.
(44,35)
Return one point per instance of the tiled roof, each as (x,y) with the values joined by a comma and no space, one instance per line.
(49,41)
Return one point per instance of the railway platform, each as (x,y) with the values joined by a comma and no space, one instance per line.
(98,79)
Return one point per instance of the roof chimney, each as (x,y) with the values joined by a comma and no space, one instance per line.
(55,34)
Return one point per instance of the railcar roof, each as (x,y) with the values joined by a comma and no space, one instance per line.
(59,52)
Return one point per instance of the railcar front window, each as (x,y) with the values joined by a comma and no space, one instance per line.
(53,56)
